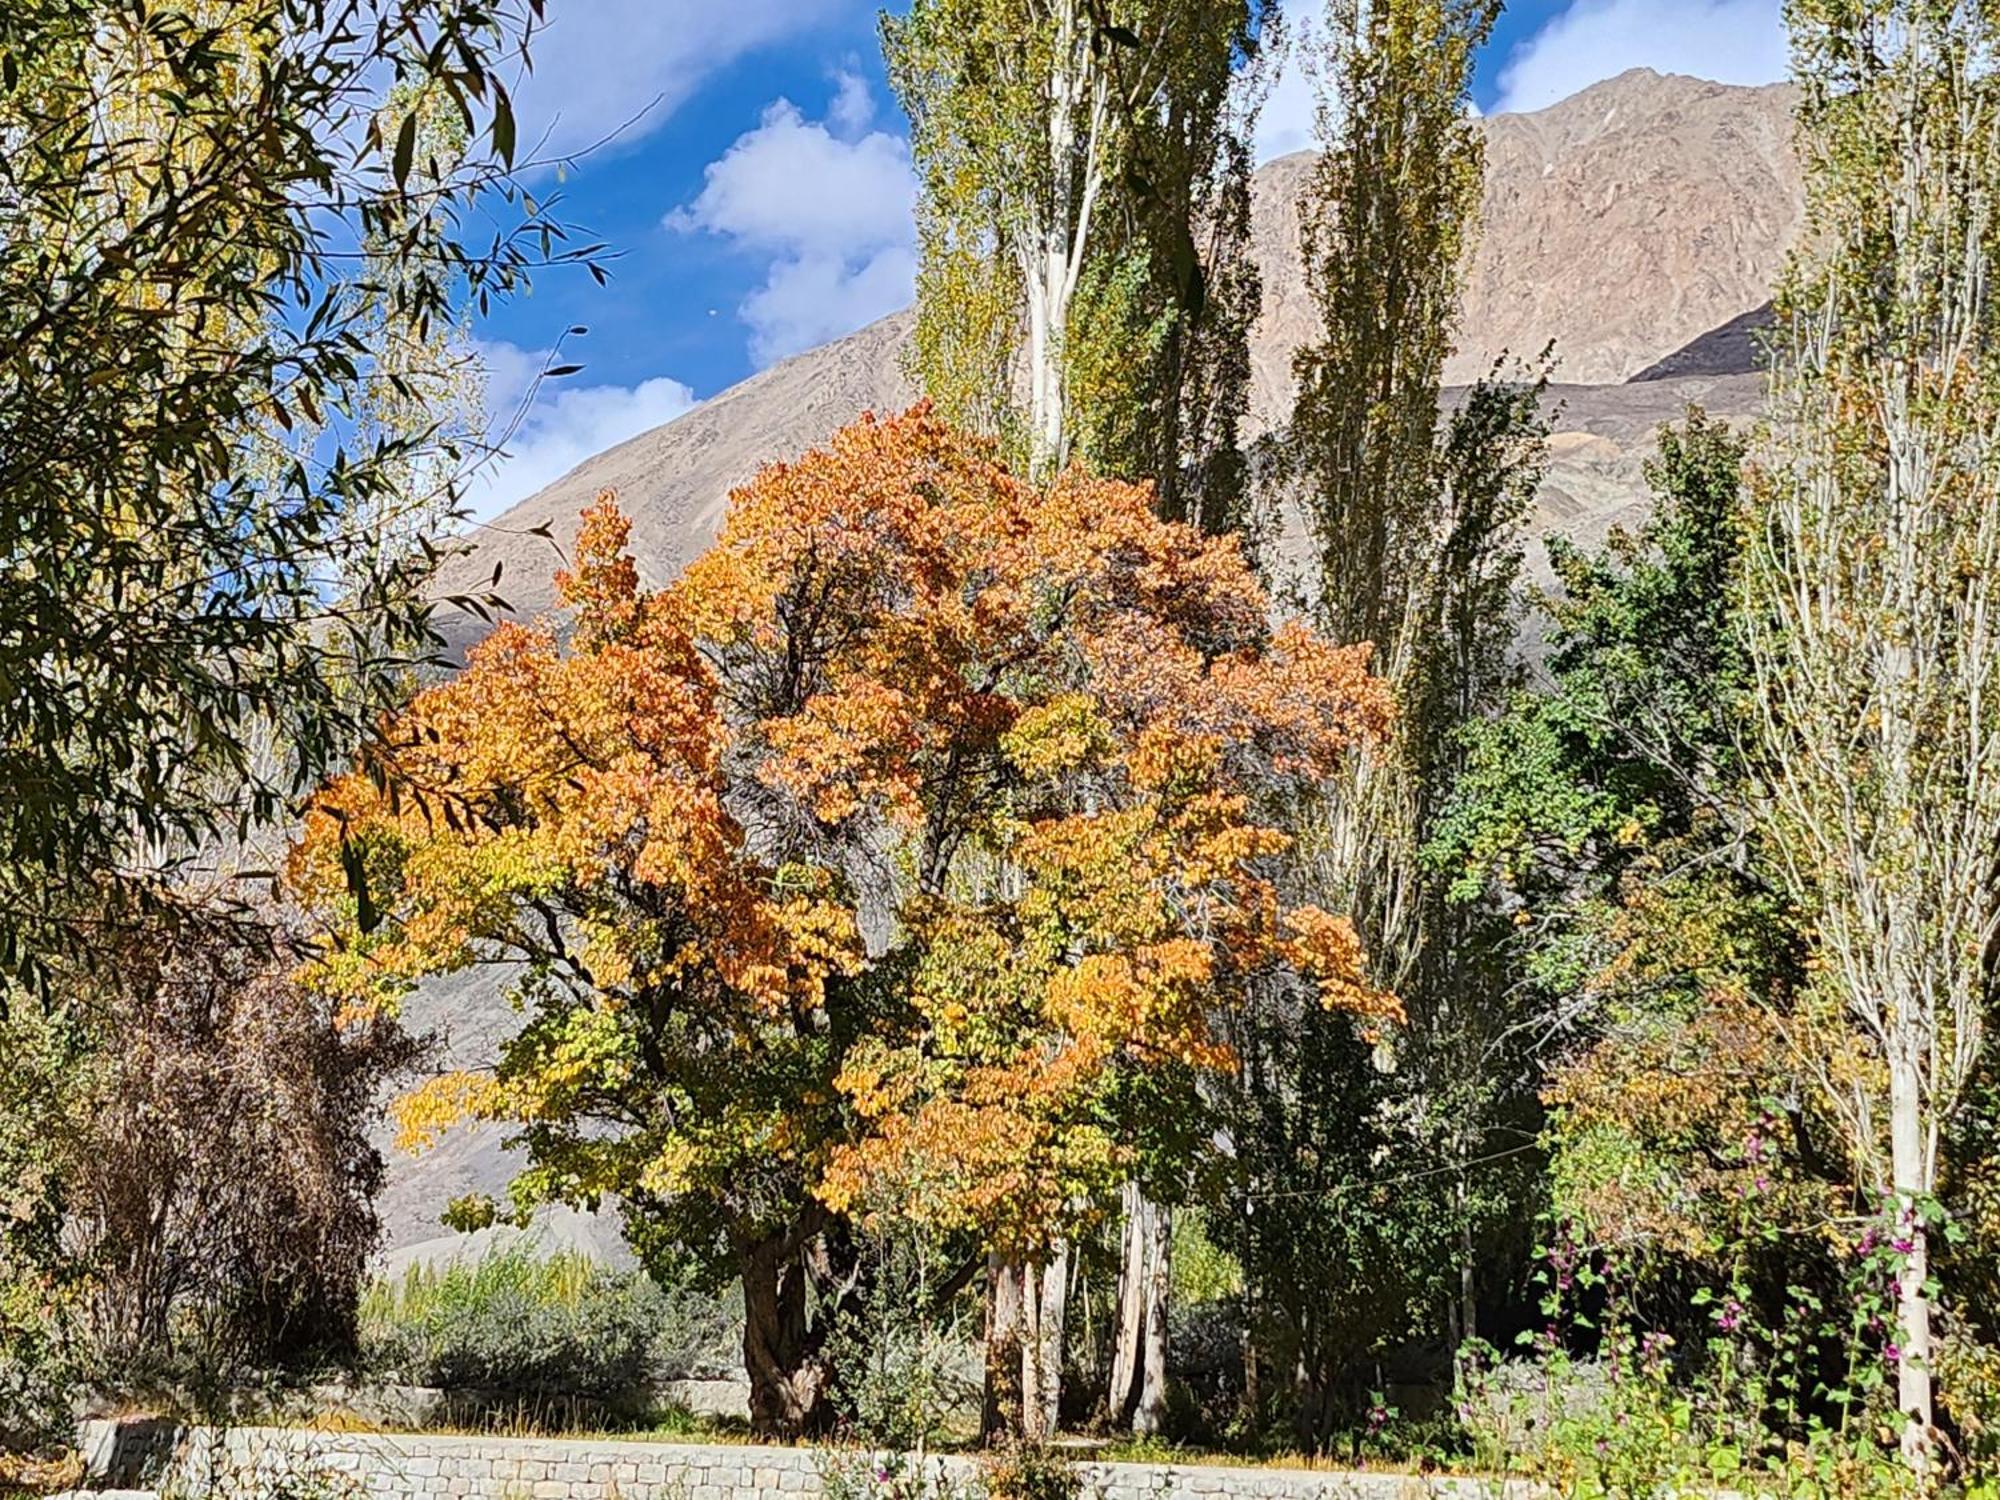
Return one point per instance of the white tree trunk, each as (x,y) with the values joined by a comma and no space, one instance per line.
(1149,1414)
(1908,1163)
(1045,1306)
(1137,1392)
(1054,239)
(1130,1328)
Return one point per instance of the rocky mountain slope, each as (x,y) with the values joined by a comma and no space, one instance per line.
(1622,224)
(1638,225)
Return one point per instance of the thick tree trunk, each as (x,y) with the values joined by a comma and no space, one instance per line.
(1149,1413)
(1912,1185)
(1047,1307)
(780,1353)
(1026,1306)
(1000,1417)
(1130,1328)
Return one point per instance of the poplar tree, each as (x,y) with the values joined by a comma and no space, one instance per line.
(1415,518)
(1085,167)
(1874,594)
(1086,292)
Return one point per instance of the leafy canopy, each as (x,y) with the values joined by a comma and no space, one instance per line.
(214,232)
(861,859)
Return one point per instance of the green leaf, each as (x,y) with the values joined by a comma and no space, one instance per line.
(503,125)
(406,150)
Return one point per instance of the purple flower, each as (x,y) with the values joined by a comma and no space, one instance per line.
(1891,1353)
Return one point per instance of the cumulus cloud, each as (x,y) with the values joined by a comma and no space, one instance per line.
(1730,41)
(831,204)
(605,67)
(555,426)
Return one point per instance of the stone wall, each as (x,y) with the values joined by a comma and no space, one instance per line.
(257,1463)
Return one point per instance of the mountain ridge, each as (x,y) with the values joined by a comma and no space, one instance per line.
(1622,224)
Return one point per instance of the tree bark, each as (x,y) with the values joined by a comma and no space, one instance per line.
(1468,1271)
(1130,1328)
(1907,1163)
(780,1350)
(1137,1394)
(1149,1414)
(1042,1371)
(1026,1305)
(1000,1416)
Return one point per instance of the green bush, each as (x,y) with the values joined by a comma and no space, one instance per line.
(517,1322)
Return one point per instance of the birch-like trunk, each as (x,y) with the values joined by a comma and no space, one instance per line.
(1057,235)
(1874,612)
(1909,1167)
(1136,1395)
(1027,1304)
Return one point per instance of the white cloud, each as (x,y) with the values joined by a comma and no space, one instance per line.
(561,425)
(808,302)
(853,108)
(1730,41)
(623,66)
(833,209)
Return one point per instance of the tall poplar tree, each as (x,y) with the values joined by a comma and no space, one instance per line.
(1085,169)
(1086,291)
(1415,516)
(1387,218)
(1875,591)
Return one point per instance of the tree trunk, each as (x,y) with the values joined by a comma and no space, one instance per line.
(1042,1368)
(1119,1393)
(1026,1303)
(780,1353)
(1137,1394)
(1468,1267)
(1000,1417)
(1912,1186)
(1149,1414)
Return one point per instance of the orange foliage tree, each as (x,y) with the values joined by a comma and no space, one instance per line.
(857,868)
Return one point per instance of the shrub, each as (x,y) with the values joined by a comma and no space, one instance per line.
(516,1322)
(1026,1471)
(899,1350)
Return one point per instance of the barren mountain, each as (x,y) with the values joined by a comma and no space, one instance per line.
(1638,225)
(1622,224)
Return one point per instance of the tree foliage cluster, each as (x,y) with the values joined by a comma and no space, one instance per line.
(220,256)
(237,395)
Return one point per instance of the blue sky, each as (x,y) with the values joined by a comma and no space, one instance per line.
(753,181)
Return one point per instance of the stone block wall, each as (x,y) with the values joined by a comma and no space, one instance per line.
(259,1463)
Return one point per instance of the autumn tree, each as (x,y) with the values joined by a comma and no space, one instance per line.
(1120,890)
(854,862)
(1874,584)
(1083,224)
(206,232)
